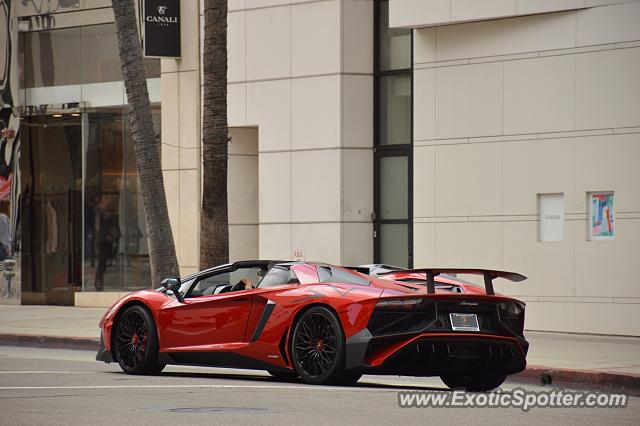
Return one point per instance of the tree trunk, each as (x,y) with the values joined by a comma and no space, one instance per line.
(214,221)
(162,251)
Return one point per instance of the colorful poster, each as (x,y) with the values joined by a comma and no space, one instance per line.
(602,223)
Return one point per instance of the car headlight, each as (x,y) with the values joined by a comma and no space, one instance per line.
(511,308)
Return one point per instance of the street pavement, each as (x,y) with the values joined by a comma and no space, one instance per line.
(65,387)
(550,350)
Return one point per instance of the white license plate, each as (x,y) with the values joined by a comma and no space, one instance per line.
(464,322)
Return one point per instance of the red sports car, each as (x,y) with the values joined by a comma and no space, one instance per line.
(326,324)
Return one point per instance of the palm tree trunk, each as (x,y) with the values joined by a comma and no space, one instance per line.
(214,221)
(162,252)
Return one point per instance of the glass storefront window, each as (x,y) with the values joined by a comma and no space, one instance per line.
(78,55)
(395,43)
(51,58)
(395,110)
(394,190)
(116,253)
(99,55)
(394,244)
(83,225)
(51,188)
(102,188)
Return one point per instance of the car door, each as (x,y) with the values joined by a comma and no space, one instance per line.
(210,316)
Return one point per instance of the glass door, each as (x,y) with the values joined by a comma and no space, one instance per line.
(393,218)
(51,222)
(116,256)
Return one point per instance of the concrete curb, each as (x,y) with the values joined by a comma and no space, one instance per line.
(52,342)
(590,378)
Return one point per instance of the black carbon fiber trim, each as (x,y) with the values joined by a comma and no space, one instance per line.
(356,349)
(263,320)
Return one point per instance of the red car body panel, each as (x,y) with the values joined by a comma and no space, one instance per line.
(256,324)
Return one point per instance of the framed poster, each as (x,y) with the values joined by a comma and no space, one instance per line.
(601,216)
(550,217)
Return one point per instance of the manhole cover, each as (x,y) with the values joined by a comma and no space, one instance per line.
(192,410)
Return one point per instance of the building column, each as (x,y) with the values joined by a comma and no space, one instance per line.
(181,149)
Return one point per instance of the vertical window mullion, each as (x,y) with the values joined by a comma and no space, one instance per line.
(393,138)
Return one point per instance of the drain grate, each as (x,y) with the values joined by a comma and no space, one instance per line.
(198,410)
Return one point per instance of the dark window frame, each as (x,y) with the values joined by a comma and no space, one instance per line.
(389,150)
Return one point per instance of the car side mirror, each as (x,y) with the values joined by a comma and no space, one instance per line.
(172,284)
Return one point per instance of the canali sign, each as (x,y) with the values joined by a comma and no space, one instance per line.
(161,20)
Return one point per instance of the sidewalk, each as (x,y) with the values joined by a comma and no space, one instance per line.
(607,361)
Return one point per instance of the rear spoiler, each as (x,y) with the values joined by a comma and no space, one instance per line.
(488,274)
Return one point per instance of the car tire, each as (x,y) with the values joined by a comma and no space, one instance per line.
(318,347)
(475,382)
(135,342)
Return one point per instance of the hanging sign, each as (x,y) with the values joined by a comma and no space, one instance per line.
(161,28)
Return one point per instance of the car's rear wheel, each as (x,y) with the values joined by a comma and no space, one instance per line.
(136,342)
(318,347)
(474,382)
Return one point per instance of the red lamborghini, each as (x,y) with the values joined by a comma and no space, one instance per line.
(326,324)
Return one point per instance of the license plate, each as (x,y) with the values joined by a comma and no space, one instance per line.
(464,322)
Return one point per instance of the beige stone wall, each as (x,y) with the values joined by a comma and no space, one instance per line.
(507,109)
(181,135)
(428,13)
(299,74)
(300,109)
(243,193)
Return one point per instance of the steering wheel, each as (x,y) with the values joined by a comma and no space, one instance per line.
(237,286)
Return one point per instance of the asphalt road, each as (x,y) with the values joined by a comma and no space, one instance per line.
(51,386)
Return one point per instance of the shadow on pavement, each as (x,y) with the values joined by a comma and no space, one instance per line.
(267,379)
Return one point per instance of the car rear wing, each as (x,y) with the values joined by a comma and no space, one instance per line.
(488,274)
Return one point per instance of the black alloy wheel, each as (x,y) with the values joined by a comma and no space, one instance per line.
(136,342)
(318,348)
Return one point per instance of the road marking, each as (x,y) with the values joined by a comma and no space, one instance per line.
(281,387)
(49,372)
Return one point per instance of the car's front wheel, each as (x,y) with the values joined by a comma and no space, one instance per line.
(474,382)
(136,342)
(318,347)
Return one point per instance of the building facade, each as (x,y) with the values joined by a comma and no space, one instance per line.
(523,119)
(499,134)
(67,156)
